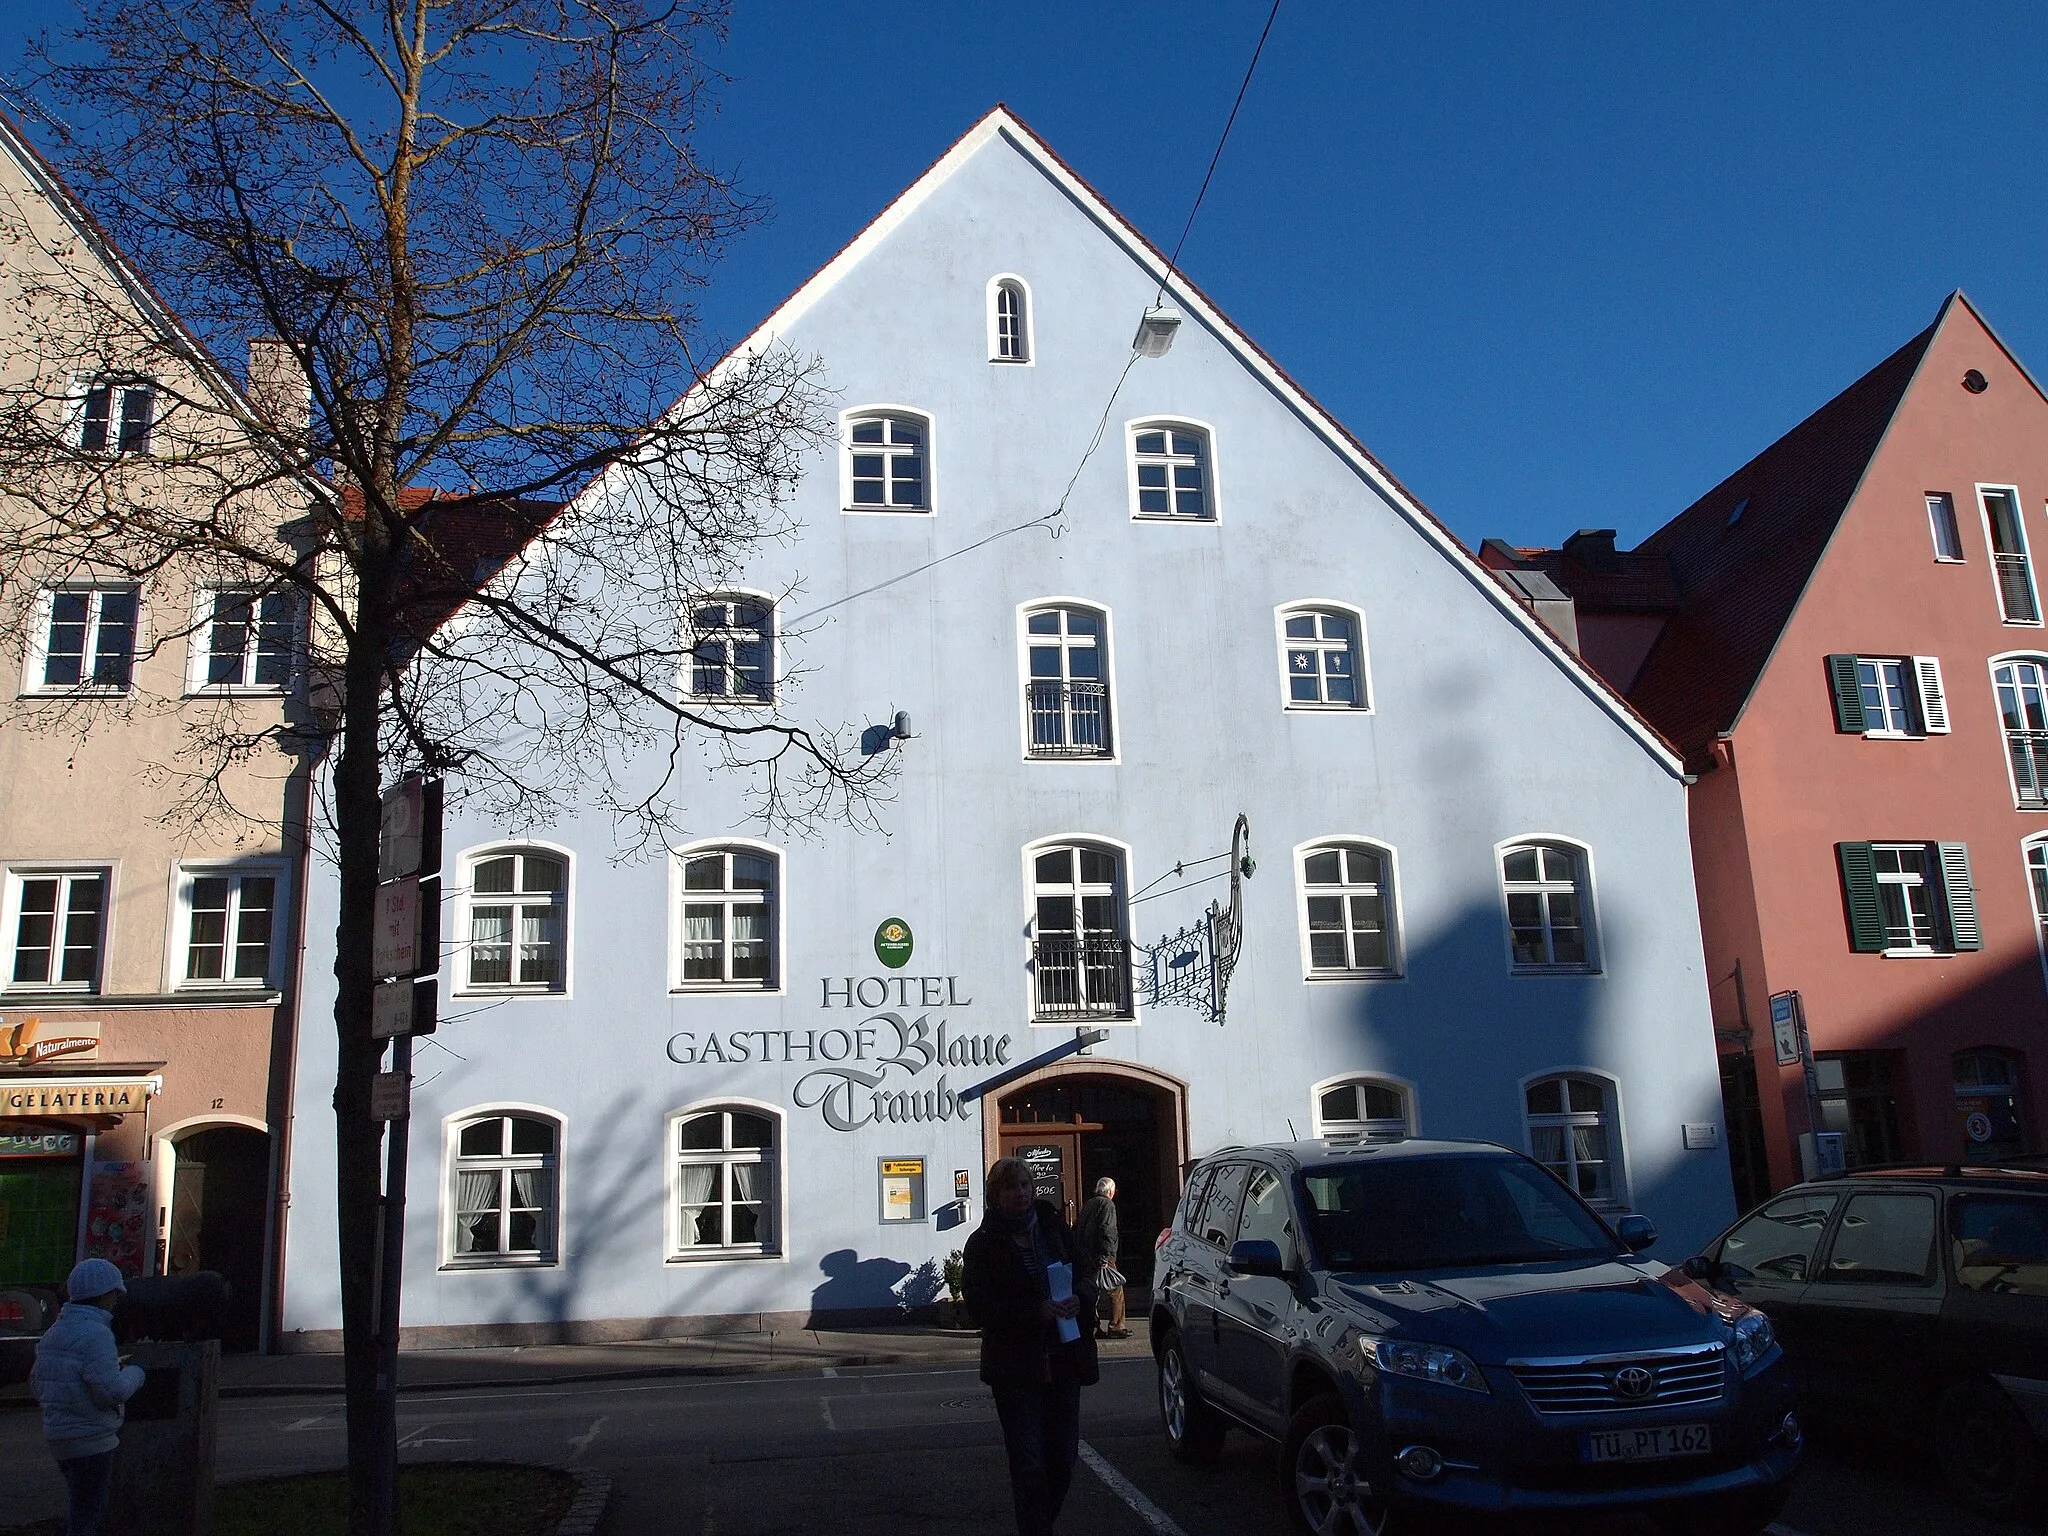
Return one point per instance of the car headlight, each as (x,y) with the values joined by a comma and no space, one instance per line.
(1439,1363)
(1750,1339)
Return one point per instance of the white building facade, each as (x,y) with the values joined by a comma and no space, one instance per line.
(722,1089)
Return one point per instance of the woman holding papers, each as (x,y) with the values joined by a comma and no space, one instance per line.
(1026,1287)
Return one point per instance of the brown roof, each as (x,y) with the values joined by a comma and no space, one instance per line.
(464,541)
(1641,582)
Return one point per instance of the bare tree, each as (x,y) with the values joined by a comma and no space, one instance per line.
(471,229)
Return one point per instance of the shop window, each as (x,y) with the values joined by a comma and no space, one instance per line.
(726,918)
(516,916)
(84,639)
(505,1183)
(1365,1108)
(228,923)
(1858,1098)
(1575,1133)
(727,1168)
(1080,944)
(54,921)
(1987,1084)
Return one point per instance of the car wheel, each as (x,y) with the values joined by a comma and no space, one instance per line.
(1193,1428)
(1986,1450)
(1326,1492)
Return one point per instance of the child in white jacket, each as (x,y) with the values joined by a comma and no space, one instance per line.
(81,1384)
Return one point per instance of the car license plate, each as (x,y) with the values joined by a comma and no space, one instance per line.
(1662,1443)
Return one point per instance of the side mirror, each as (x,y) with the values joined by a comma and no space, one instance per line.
(1635,1232)
(1256,1256)
(1700,1267)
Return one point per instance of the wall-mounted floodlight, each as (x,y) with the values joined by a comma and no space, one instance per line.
(901,729)
(1156,331)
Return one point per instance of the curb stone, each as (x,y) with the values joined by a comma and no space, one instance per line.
(593,1489)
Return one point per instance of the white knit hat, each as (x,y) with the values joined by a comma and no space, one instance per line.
(94,1277)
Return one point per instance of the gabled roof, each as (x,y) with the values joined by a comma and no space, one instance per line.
(1741,575)
(460,545)
(1001,123)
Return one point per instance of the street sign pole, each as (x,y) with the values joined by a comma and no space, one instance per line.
(408,948)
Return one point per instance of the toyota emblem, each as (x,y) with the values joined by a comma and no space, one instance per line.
(1634,1383)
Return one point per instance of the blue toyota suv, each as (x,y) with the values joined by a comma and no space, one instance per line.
(1443,1327)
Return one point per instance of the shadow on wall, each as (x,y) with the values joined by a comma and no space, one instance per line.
(1468,1030)
(859,1291)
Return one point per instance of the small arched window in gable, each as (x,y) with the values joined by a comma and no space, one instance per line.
(1172,472)
(1009,321)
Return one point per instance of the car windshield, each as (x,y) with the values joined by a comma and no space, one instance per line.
(1447,1213)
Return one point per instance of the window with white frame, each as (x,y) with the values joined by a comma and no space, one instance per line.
(115,416)
(1369,1108)
(732,649)
(245,640)
(727,1161)
(2037,888)
(1009,322)
(1909,898)
(1574,1133)
(506,1190)
(728,918)
(1941,522)
(55,922)
(1888,696)
(1548,907)
(2021,685)
(518,920)
(888,462)
(1172,475)
(85,638)
(228,922)
(1080,942)
(1347,912)
(1066,695)
(1324,661)
(2012,568)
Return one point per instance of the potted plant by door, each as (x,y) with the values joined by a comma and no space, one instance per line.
(953,1310)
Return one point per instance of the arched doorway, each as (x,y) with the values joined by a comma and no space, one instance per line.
(219,1212)
(1077,1122)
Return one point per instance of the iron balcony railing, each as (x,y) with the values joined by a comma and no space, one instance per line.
(1068,719)
(1081,977)
(2029,753)
(2016,589)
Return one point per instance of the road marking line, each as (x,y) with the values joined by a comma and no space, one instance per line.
(304,1424)
(1129,1492)
(582,1441)
(825,1407)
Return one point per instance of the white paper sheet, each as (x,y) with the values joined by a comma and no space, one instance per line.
(1059,1280)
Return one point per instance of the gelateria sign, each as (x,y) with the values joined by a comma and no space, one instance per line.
(890,1068)
(92,1096)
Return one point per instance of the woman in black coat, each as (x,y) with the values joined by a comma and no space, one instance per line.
(1036,1377)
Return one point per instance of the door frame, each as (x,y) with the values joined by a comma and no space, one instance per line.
(1149,1078)
(163,1172)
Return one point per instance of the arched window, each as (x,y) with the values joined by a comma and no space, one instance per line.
(726,1160)
(1322,657)
(1549,906)
(731,637)
(1573,1131)
(516,918)
(2021,683)
(1009,321)
(888,461)
(1080,944)
(1369,1108)
(1348,909)
(726,917)
(503,1195)
(1066,688)
(1987,1084)
(1172,472)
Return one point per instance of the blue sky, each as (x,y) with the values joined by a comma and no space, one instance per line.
(1559,265)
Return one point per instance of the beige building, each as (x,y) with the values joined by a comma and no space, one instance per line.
(152,787)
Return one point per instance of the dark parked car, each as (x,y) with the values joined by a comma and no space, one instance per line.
(1913,1302)
(1443,1326)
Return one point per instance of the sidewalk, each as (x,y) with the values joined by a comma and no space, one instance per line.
(739,1354)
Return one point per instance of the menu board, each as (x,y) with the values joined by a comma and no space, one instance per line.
(902,1189)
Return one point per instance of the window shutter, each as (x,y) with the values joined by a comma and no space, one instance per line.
(1965,932)
(1859,885)
(1848,694)
(1933,702)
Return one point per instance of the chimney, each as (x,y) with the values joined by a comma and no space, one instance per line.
(278,389)
(1593,548)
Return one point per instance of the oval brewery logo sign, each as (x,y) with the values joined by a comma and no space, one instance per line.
(852,1083)
(893,942)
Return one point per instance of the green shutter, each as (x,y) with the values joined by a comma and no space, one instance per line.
(1964,931)
(1859,885)
(1848,694)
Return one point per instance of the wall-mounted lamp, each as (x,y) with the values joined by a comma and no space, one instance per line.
(901,729)
(1156,331)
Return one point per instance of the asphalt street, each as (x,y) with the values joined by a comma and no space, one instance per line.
(872,1451)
